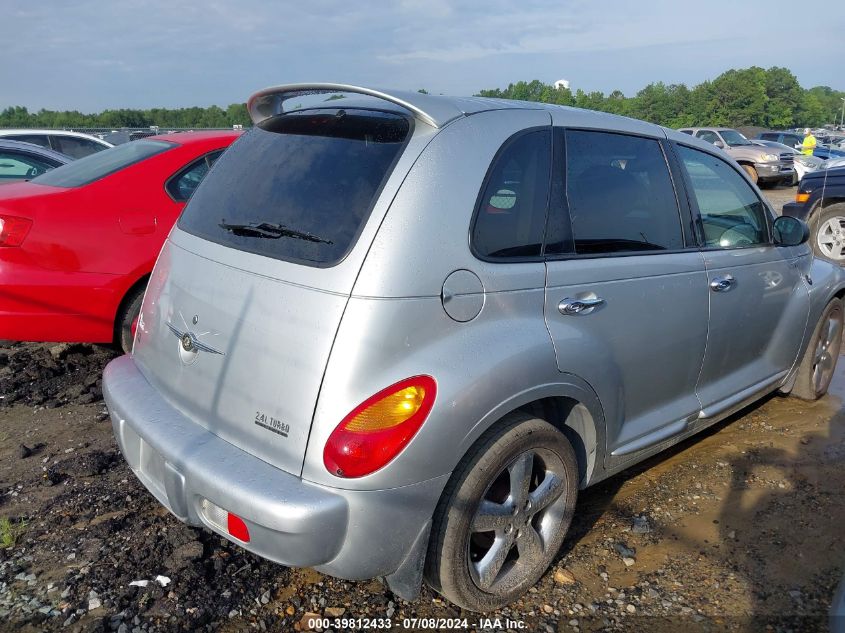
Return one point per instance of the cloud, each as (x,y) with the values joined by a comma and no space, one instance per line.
(91,55)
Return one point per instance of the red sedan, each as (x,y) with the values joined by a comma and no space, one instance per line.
(78,243)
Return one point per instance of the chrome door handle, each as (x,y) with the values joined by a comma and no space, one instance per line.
(722,284)
(576,306)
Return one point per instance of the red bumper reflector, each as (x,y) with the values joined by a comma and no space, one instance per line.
(237,528)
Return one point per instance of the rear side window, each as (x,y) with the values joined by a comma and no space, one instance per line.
(86,170)
(182,186)
(76,147)
(511,212)
(35,139)
(299,186)
(620,194)
(732,215)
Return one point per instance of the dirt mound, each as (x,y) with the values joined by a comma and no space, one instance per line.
(51,375)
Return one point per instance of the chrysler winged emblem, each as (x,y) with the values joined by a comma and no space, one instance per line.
(190,343)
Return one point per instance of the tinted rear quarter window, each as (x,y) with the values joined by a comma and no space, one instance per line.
(511,211)
(620,193)
(299,186)
(86,170)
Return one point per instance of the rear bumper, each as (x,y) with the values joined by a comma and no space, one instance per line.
(350,534)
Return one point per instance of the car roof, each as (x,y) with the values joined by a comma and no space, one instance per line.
(32,148)
(46,132)
(434,110)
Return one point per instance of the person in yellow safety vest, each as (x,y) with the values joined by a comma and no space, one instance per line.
(809,143)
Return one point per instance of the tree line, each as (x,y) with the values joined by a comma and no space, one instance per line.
(770,98)
(195,117)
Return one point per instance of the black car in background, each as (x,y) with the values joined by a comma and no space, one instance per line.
(820,202)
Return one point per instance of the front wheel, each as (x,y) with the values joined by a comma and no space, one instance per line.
(503,515)
(829,238)
(752,173)
(819,362)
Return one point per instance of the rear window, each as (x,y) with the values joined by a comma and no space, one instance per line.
(86,170)
(299,186)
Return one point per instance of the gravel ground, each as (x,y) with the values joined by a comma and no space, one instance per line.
(736,529)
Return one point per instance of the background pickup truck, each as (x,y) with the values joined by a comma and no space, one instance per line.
(762,164)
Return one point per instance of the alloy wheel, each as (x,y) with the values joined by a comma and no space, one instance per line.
(831,238)
(824,358)
(516,520)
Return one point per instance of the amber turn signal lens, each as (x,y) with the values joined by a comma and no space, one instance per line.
(802,197)
(379,428)
(394,409)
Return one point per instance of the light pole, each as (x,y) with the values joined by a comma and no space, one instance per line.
(842,116)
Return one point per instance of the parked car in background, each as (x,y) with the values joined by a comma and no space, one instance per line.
(833,163)
(77,244)
(73,144)
(820,202)
(763,166)
(792,139)
(802,163)
(25,161)
(824,152)
(393,334)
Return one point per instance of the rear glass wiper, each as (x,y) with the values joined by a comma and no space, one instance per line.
(270,230)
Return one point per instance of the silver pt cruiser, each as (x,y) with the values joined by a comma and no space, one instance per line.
(393,334)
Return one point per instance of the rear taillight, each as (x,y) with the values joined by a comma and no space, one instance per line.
(13,230)
(378,429)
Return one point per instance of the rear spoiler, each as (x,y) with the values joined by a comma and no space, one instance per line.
(432,110)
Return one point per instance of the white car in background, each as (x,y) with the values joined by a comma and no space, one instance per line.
(830,163)
(73,144)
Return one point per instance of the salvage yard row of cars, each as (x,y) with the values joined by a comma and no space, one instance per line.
(394,334)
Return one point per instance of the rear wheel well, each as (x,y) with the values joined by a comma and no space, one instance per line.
(572,419)
(127,297)
(823,204)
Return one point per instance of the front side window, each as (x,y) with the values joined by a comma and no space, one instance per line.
(732,215)
(620,194)
(299,186)
(182,186)
(511,213)
(20,166)
(86,170)
(707,135)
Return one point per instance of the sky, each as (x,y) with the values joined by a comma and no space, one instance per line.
(90,55)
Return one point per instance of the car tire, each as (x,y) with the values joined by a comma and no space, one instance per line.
(819,362)
(828,233)
(528,513)
(752,173)
(127,317)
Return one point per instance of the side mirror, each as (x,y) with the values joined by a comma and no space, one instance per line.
(789,231)
(719,144)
